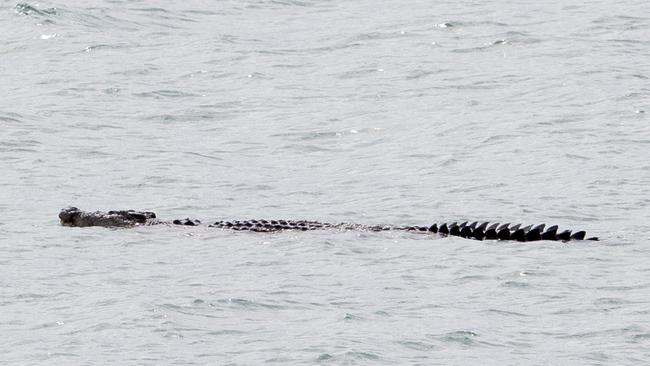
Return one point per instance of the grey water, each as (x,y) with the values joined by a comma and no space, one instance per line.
(369,112)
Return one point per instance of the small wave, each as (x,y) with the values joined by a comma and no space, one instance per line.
(229,332)
(10,117)
(286,3)
(324,357)
(419,74)
(623,288)
(30,296)
(417,345)
(505,313)
(610,301)
(248,304)
(167,118)
(445,25)
(19,144)
(151,10)
(292,3)
(351,317)
(464,337)
(612,332)
(169,18)
(159,94)
(377,36)
(358,73)
(644,337)
(471,278)
(622,22)
(480,23)
(26,9)
(307,136)
(98,47)
(515,284)
(576,157)
(485,47)
(347,357)
(203,155)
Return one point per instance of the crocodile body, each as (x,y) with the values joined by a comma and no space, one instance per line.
(72,216)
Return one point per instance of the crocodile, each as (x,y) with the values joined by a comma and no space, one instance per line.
(72,216)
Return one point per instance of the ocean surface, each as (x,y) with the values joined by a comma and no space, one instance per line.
(370,112)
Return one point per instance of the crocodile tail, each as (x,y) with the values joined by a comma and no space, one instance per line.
(518,232)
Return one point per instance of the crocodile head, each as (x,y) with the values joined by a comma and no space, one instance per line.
(72,216)
(69,216)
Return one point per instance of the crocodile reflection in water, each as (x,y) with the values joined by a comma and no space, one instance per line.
(72,216)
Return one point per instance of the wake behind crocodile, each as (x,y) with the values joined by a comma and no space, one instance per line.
(72,216)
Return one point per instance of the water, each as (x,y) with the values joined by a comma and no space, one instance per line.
(367,112)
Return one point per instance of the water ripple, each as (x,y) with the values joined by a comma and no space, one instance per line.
(396,113)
